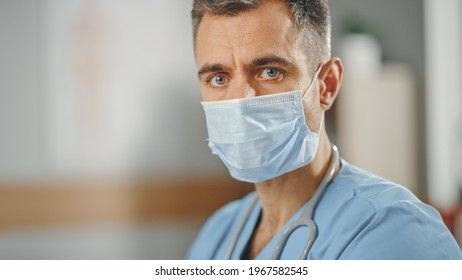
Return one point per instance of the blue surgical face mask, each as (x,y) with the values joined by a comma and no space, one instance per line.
(263,137)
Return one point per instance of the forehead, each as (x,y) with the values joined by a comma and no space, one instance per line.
(265,30)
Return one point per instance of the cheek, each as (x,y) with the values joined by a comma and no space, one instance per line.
(312,108)
(209,94)
(204,98)
(205,94)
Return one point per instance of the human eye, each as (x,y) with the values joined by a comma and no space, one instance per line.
(217,81)
(270,74)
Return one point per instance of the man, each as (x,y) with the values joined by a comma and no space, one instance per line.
(267,78)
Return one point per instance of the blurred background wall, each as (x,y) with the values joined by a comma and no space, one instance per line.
(102,137)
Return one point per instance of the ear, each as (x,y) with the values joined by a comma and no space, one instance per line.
(330,80)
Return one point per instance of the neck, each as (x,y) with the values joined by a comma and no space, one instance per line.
(283,196)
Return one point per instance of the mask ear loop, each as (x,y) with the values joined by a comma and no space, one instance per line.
(316,74)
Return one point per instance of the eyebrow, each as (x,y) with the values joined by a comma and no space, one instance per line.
(211,68)
(258,62)
(262,61)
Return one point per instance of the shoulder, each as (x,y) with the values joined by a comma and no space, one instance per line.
(361,194)
(377,191)
(403,230)
(392,222)
(216,229)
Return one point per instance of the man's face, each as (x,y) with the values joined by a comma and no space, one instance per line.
(254,53)
(257,52)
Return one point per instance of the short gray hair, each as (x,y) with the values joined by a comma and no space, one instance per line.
(312,18)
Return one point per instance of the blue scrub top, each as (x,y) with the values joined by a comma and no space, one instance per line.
(360,216)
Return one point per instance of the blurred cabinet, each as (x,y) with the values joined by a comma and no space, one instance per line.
(376,121)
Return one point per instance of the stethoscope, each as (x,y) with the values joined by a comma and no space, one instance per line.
(304,220)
